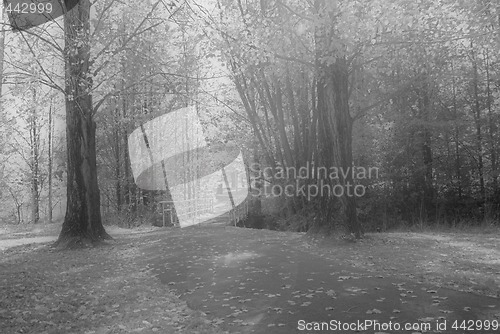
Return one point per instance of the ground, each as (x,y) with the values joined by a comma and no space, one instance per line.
(216,279)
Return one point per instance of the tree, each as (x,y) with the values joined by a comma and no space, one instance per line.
(82,222)
(333,111)
(34,161)
(50,161)
(27,142)
(410,87)
(294,86)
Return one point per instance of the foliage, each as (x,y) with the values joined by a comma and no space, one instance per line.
(286,80)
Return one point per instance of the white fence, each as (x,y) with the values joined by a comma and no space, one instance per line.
(191,209)
(198,210)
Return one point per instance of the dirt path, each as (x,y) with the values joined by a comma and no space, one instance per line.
(9,243)
(256,281)
(49,233)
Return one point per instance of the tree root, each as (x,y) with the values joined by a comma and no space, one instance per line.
(80,242)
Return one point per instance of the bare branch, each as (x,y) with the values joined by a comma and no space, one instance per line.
(134,34)
(52,83)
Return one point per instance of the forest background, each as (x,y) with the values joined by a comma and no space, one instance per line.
(408,87)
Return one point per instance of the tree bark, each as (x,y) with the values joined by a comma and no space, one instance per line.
(2,54)
(82,223)
(116,139)
(34,161)
(333,110)
(477,120)
(456,139)
(425,141)
(492,129)
(232,213)
(50,164)
(257,192)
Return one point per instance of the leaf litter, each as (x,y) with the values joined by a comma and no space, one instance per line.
(102,290)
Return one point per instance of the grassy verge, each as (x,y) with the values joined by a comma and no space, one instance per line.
(457,260)
(107,289)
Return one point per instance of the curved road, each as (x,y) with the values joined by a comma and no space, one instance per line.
(258,281)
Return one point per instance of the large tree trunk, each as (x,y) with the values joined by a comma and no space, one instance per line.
(82,223)
(337,122)
(335,118)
